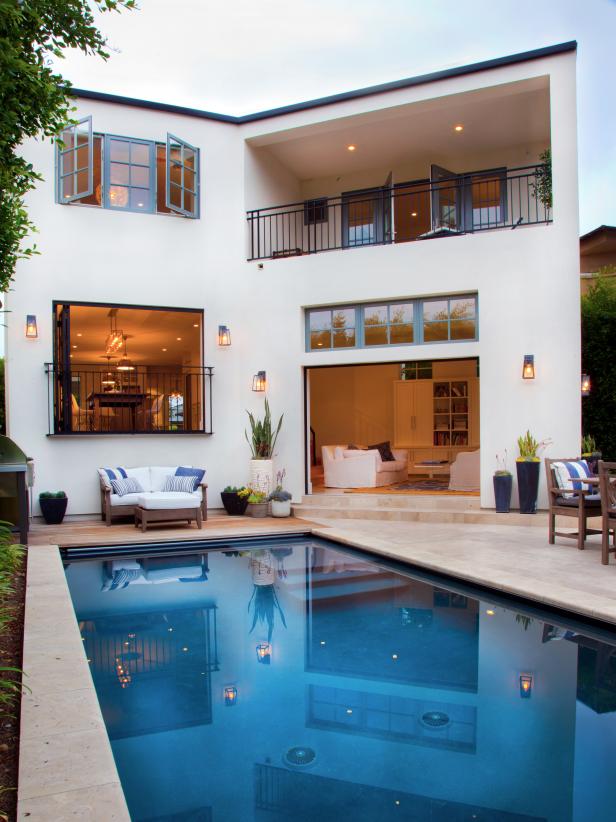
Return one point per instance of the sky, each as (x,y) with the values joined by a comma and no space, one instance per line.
(241,56)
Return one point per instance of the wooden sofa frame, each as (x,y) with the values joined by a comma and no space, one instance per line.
(607,485)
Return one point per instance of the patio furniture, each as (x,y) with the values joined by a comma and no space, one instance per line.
(152,480)
(167,506)
(464,472)
(355,468)
(570,494)
(607,486)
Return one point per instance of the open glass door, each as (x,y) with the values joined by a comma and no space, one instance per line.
(62,371)
(445,200)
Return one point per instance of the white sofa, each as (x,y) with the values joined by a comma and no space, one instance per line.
(349,468)
(464,472)
(152,479)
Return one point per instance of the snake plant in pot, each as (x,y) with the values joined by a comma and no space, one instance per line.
(527,469)
(262,441)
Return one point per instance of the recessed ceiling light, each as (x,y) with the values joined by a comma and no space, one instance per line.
(490,612)
(351,147)
(413,213)
(80,334)
(179,339)
(164,349)
(195,325)
(459,127)
(74,346)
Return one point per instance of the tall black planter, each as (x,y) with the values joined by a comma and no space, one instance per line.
(502,492)
(528,485)
(53,509)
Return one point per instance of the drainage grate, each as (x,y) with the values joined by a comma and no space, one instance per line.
(299,757)
(435,719)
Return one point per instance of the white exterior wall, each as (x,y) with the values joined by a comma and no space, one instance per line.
(527,281)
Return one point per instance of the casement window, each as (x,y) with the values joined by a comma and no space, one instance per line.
(126,173)
(315,211)
(408,322)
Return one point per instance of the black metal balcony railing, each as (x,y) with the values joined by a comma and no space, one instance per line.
(466,203)
(91,399)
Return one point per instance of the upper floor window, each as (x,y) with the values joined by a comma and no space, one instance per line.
(127,174)
(444,319)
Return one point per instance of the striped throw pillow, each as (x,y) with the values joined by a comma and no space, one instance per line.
(185,485)
(130,485)
(565,474)
(116,473)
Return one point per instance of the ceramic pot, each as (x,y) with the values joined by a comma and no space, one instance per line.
(281,508)
(53,509)
(528,485)
(262,475)
(502,492)
(257,509)
(235,505)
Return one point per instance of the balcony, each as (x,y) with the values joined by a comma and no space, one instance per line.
(86,400)
(444,206)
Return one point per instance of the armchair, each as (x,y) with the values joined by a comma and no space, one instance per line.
(607,486)
(344,468)
(568,498)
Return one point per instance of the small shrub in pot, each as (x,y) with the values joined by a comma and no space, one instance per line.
(235,500)
(53,506)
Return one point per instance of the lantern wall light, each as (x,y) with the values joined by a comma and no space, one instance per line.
(264,653)
(526,685)
(528,368)
(31,327)
(224,335)
(585,385)
(259,381)
(230,695)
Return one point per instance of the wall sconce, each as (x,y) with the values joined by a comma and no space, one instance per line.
(585,385)
(526,685)
(264,653)
(528,369)
(259,381)
(224,335)
(31,327)
(230,695)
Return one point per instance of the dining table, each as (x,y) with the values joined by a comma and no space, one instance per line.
(116,399)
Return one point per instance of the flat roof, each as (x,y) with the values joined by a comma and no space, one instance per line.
(409,82)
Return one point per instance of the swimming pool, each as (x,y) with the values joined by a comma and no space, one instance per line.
(295,679)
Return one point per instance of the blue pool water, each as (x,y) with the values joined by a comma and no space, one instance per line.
(299,680)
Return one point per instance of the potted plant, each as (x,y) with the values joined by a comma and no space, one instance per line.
(542,184)
(235,500)
(53,506)
(527,468)
(257,504)
(264,601)
(590,452)
(262,441)
(279,498)
(503,482)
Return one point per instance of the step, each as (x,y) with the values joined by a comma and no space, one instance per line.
(412,502)
(477,517)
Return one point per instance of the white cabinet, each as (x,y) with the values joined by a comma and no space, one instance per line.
(439,414)
(412,413)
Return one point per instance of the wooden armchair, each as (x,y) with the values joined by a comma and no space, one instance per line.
(581,503)
(607,485)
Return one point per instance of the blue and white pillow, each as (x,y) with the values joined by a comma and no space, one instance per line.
(565,474)
(197,473)
(115,473)
(122,487)
(185,485)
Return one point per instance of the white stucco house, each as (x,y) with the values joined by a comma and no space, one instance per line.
(400,226)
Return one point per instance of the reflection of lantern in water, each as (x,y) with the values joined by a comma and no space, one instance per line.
(526,685)
(230,695)
(122,673)
(264,653)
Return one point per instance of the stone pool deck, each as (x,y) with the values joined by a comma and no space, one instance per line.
(67,770)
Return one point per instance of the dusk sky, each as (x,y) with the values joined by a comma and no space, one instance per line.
(241,56)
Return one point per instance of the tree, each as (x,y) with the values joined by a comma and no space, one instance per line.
(598,346)
(35,100)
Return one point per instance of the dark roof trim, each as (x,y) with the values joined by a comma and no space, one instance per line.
(608,229)
(409,82)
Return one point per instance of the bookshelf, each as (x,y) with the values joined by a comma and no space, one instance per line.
(450,412)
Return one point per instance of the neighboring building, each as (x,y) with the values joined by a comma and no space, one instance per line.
(597,250)
(392,225)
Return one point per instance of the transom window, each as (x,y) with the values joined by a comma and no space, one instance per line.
(446,319)
(127,174)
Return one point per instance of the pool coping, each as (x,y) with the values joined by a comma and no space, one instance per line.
(66,766)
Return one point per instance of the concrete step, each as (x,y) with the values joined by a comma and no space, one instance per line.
(400,514)
(409,502)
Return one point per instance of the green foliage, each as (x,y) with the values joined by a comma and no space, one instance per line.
(242,491)
(527,446)
(265,604)
(11,559)
(542,184)
(263,436)
(52,495)
(598,361)
(589,446)
(257,497)
(35,101)
(2,399)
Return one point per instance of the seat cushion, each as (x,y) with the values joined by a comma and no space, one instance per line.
(127,499)
(591,501)
(168,500)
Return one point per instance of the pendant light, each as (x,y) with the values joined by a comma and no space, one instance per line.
(125,364)
(108,381)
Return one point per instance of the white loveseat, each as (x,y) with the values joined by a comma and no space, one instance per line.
(350,468)
(152,479)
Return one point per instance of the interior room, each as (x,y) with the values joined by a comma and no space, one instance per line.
(401,427)
(126,369)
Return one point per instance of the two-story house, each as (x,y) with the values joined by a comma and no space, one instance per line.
(388,257)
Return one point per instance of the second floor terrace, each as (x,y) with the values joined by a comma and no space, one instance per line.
(463,163)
